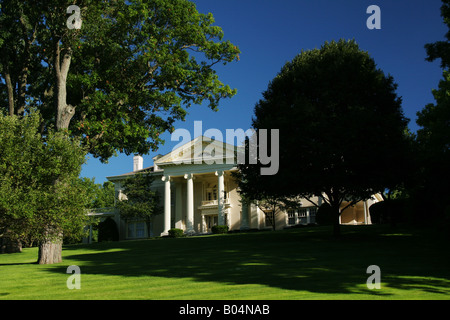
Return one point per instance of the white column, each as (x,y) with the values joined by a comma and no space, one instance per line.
(190,203)
(221,198)
(167,204)
(179,207)
(365,212)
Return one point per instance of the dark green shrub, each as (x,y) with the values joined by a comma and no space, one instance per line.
(378,213)
(219,229)
(176,233)
(107,231)
(389,211)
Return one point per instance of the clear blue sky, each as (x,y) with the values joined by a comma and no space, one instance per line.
(271,32)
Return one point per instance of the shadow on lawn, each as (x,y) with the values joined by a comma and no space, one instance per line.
(305,259)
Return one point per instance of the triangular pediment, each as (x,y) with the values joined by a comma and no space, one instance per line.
(201,149)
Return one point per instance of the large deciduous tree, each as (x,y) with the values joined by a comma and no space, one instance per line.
(122,79)
(341,129)
(433,136)
(39,186)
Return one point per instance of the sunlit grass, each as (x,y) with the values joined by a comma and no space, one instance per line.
(305,263)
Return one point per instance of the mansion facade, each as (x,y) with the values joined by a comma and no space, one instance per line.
(198,192)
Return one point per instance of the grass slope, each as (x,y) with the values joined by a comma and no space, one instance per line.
(304,263)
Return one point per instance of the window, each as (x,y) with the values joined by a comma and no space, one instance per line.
(312,214)
(291,216)
(140,230)
(302,215)
(212,221)
(211,194)
(269,218)
(136,229)
(306,215)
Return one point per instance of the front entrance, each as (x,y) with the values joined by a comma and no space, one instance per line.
(211,221)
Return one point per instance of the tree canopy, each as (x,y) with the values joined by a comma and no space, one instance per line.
(30,200)
(342,129)
(433,136)
(121,80)
(100,195)
(140,201)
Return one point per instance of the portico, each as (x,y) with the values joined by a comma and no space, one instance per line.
(201,184)
(207,201)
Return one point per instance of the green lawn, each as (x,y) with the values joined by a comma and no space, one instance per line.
(304,263)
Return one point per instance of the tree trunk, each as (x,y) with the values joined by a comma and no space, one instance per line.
(64,111)
(50,252)
(336,224)
(273,220)
(26,62)
(50,249)
(10,90)
(334,200)
(9,244)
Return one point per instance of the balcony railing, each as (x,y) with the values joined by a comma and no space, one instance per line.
(207,203)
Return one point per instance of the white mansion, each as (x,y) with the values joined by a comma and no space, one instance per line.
(198,193)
